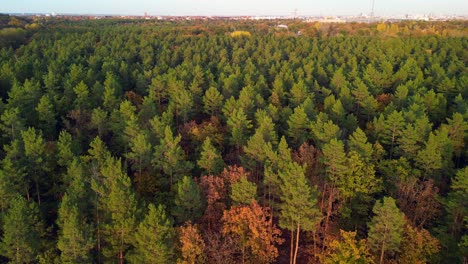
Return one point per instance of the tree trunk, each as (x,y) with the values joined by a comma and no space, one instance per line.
(297,243)
(38,192)
(315,244)
(382,252)
(329,207)
(98,235)
(292,247)
(121,259)
(243,253)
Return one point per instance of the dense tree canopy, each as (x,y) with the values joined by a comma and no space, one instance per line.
(135,141)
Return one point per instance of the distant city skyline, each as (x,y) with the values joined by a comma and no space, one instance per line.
(237,7)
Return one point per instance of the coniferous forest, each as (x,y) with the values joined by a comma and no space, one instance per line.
(134,141)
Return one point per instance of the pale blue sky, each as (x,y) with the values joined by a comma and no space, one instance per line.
(236,7)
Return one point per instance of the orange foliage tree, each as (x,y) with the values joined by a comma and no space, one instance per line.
(254,232)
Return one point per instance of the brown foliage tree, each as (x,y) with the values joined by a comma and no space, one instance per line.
(192,245)
(418,200)
(254,232)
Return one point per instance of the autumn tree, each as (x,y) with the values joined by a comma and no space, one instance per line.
(347,249)
(192,246)
(417,246)
(254,233)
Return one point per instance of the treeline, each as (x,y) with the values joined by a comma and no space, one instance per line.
(179,142)
(14,31)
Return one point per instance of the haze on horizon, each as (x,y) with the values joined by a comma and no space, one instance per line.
(237,7)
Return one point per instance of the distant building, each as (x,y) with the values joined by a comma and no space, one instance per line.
(283,26)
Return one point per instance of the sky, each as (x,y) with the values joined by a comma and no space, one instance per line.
(236,7)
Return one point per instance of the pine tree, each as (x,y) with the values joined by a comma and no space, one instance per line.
(298,124)
(334,159)
(210,159)
(75,241)
(170,158)
(34,147)
(21,232)
(386,228)
(120,206)
(212,101)
(12,123)
(243,191)
(298,209)
(140,151)
(154,238)
(239,127)
(65,153)
(358,142)
(393,128)
(456,205)
(188,201)
(324,130)
(47,116)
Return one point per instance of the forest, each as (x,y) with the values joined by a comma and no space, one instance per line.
(145,141)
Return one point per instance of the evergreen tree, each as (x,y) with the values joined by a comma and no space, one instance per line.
(239,127)
(358,143)
(34,147)
(243,191)
(298,209)
(75,241)
(12,123)
(154,238)
(210,159)
(170,158)
(298,124)
(212,101)
(47,116)
(188,201)
(21,241)
(65,153)
(324,130)
(120,205)
(386,228)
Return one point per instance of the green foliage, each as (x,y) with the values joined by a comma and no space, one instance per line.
(347,250)
(243,191)
(386,228)
(239,126)
(75,241)
(212,101)
(210,159)
(367,109)
(298,124)
(298,200)
(154,238)
(170,158)
(21,240)
(188,201)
